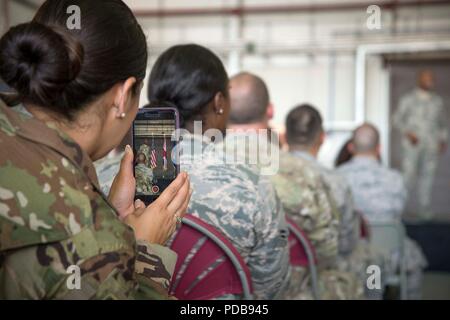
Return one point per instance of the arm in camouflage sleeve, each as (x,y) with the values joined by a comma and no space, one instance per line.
(42,272)
(269,260)
(398,120)
(319,217)
(443,126)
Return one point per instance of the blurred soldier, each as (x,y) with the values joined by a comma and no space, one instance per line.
(380,194)
(143,175)
(423,124)
(305,136)
(304,196)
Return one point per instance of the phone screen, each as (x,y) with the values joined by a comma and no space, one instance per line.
(153,142)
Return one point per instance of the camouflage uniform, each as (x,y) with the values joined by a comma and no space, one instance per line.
(423,114)
(380,194)
(307,201)
(340,190)
(144,177)
(243,206)
(355,254)
(53,215)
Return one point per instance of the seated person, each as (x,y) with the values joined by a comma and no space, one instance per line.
(233,198)
(81,97)
(303,194)
(380,194)
(305,136)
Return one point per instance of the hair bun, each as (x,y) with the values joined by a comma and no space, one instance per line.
(39,61)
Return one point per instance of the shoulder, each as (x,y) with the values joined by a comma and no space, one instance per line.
(44,197)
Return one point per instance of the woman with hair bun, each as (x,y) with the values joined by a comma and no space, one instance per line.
(60,236)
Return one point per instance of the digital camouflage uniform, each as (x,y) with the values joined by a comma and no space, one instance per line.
(423,114)
(244,207)
(53,216)
(380,194)
(307,201)
(355,254)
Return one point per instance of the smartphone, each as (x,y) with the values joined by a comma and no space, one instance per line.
(155,158)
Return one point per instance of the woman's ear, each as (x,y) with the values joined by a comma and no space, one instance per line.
(124,95)
(219,103)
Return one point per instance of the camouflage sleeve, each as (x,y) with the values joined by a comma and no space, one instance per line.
(398,120)
(59,270)
(269,260)
(442,125)
(154,267)
(349,224)
(319,218)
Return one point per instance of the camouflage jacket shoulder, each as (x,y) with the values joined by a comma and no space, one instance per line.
(379,192)
(53,215)
(341,193)
(308,200)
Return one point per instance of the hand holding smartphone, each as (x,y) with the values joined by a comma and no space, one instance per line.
(155,165)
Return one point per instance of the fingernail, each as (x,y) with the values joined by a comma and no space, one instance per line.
(127,148)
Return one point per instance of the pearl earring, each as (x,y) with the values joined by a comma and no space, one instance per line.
(220,111)
(122,115)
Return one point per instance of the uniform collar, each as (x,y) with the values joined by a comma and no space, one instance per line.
(365,160)
(39,132)
(304,155)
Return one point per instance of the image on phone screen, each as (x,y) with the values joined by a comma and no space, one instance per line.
(154,169)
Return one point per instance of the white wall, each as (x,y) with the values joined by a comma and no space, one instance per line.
(302,57)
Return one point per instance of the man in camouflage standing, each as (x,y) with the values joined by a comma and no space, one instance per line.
(422,121)
(303,194)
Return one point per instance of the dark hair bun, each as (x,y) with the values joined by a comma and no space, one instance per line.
(39,61)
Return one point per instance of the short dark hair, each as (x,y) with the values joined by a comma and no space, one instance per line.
(252,107)
(62,69)
(188,77)
(303,125)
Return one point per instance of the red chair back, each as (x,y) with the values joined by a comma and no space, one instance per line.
(208,265)
(364,226)
(297,247)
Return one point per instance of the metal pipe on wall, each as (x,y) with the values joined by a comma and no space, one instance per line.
(276,9)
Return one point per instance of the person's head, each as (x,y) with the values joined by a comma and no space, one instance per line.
(344,154)
(365,141)
(250,101)
(194,80)
(141,158)
(425,80)
(89,77)
(304,129)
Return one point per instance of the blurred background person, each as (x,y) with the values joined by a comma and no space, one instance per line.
(299,185)
(380,194)
(422,122)
(305,136)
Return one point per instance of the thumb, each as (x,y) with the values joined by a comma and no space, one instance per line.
(126,164)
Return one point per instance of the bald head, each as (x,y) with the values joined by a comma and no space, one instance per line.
(425,80)
(366,139)
(249,99)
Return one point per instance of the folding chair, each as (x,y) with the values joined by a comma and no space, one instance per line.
(364,226)
(388,237)
(302,253)
(208,265)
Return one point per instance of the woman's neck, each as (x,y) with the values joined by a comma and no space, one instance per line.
(82,131)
